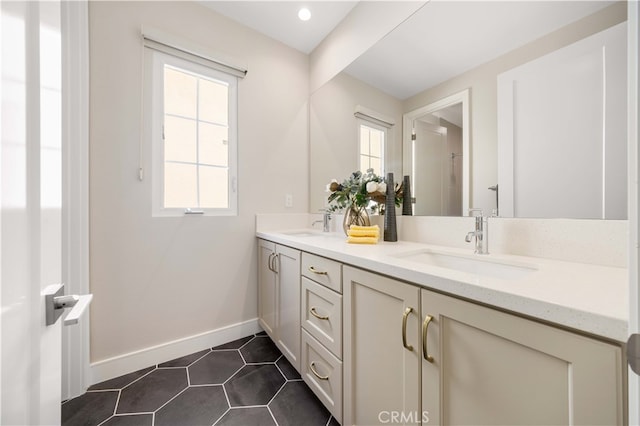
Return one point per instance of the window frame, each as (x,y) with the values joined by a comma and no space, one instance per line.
(360,121)
(157,63)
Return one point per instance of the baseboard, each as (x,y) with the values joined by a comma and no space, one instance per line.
(133,361)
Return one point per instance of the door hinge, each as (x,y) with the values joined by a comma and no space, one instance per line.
(633,352)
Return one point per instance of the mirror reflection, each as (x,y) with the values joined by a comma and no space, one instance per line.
(469,46)
(437,166)
(434,156)
(336,113)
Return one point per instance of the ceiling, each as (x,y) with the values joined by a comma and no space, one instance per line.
(279,19)
(442,39)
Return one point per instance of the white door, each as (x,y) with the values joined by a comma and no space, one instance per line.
(548,121)
(30,216)
(429,185)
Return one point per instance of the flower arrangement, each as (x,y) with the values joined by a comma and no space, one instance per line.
(358,190)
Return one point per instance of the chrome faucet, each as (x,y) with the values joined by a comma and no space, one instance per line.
(325,221)
(481,233)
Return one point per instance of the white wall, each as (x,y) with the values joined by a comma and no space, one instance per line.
(483,96)
(157,280)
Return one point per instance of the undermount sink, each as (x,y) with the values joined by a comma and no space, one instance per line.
(474,264)
(302,233)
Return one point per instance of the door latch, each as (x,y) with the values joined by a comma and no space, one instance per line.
(56,302)
(633,352)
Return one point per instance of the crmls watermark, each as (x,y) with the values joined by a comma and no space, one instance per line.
(402,417)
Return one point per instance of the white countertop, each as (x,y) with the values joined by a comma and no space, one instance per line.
(585,297)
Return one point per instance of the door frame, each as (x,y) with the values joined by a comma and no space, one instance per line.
(76,370)
(633,77)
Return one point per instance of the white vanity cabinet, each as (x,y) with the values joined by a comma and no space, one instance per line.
(279,297)
(381,349)
(322,327)
(490,367)
(485,366)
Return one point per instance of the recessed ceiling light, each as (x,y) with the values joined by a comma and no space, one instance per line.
(304,14)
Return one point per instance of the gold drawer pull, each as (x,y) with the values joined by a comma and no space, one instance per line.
(425,327)
(313,370)
(315,314)
(404,328)
(315,271)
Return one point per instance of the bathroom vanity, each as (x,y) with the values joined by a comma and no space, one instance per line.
(413,333)
(432,333)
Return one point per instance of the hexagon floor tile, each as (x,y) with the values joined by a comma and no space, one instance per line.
(244,416)
(201,405)
(215,368)
(254,385)
(260,349)
(245,382)
(152,391)
(90,408)
(296,405)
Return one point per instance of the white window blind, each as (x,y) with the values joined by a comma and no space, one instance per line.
(373,117)
(176,46)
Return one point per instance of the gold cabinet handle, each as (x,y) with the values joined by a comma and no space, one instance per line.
(315,271)
(425,327)
(315,373)
(270,262)
(407,311)
(315,314)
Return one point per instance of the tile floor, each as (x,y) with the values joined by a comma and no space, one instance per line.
(244,382)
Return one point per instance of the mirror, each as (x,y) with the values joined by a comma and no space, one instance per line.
(469,46)
(334,149)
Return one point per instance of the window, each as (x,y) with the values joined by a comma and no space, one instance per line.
(372,138)
(194,138)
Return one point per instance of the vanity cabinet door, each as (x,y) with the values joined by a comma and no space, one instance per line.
(381,368)
(267,290)
(288,330)
(279,297)
(490,367)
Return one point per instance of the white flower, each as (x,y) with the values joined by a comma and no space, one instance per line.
(328,187)
(372,186)
(382,187)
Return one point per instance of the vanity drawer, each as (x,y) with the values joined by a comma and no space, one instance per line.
(321,315)
(322,372)
(322,270)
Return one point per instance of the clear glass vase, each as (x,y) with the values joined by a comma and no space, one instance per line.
(355,215)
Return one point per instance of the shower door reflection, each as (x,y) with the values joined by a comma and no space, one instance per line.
(437,163)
